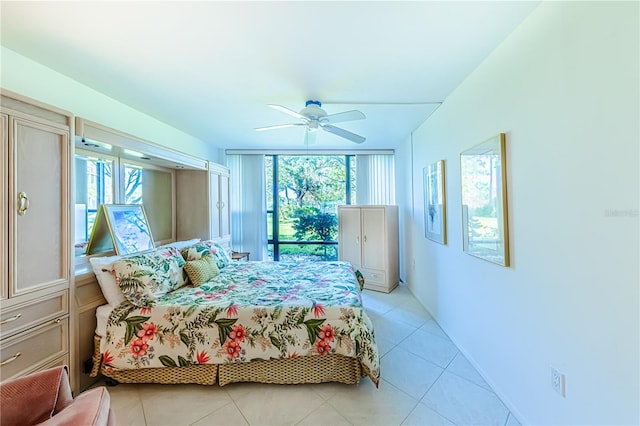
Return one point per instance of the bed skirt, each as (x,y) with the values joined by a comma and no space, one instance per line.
(304,369)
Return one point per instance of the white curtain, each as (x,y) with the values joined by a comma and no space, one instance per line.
(375,179)
(248,205)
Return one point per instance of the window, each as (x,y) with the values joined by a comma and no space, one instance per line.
(303,195)
(94,186)
(97,182)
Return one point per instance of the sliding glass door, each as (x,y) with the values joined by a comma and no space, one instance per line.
(303,194)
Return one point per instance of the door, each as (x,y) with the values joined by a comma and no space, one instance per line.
(4,174)
(214,208)
(39,206)
(373,238)
(350,241)
(225,211)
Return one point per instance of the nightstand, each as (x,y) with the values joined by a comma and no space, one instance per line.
(239,255)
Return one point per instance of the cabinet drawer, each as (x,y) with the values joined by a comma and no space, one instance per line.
(27,315)
(374,276)
(31,351)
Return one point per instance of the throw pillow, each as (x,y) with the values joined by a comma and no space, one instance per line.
(202,270)
(148,276)
(203,248)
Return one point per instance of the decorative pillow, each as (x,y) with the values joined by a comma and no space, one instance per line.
(146,277)
(202,270)
(106,276)
(202,248)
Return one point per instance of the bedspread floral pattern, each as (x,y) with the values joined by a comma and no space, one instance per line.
(251,310)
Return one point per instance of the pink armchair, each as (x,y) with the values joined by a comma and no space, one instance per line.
(45,398)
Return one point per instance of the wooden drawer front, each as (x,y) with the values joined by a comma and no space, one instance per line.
(374,276)
(37,348)
(27,315)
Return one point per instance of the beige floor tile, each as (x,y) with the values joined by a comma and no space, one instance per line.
(265,404)
(174,405)
(323,416)
(364,404)
(408,372)
(430,347)
(463,368)
(229,415)
(464,402)
(425,416)
(126,405)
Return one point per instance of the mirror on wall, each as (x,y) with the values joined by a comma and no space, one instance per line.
(484,201)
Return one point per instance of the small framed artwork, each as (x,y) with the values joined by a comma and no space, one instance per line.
(435,207)
(121,227)
(484,201)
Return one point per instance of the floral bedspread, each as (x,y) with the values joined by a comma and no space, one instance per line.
(251,310)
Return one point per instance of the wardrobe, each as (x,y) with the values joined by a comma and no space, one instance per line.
(368,239)
(35,249)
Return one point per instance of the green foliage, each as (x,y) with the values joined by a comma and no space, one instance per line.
(311,224)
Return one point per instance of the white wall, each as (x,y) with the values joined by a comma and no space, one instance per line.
(28,78)
(564,87)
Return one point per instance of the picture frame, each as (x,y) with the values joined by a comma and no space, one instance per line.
(435,206)
(123,228)
(483,180)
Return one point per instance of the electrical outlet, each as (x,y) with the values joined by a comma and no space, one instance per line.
(558,382)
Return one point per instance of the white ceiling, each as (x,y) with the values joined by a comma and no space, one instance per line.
(209,68)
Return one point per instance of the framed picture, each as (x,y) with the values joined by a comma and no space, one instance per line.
(121,227)
(484,201)
(435,208)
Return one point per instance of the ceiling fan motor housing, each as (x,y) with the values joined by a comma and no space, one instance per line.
(313,111)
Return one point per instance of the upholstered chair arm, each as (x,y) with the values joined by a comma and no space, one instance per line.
(90,408)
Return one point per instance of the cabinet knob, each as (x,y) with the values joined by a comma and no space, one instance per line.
(23,203)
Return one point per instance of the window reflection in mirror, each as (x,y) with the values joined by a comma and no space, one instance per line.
(108,180)
(94,184)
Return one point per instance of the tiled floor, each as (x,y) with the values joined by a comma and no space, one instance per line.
(425,381)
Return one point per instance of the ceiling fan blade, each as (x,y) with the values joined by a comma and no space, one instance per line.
(279,126)
(289,111)
(344,116)
(343,133)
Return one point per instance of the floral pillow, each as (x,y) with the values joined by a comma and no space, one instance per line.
(203,248)
(148,276)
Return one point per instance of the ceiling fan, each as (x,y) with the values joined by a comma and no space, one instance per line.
(314,117)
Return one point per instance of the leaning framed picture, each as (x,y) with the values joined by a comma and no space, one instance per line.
(435,207)
(123,227)
(484,201)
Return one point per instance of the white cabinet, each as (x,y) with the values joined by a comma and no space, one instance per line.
(368,239)
(35,249)
(220,214)
(202,209)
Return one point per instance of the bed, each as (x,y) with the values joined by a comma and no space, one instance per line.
(223,322)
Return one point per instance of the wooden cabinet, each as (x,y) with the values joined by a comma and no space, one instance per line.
(202,209)
(34,249)
(368,239)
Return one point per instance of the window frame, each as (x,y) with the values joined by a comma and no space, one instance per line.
(349,161)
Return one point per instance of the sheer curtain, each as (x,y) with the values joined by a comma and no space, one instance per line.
(248,205)
(375,179)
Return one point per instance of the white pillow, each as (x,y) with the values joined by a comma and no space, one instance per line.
(103,268)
